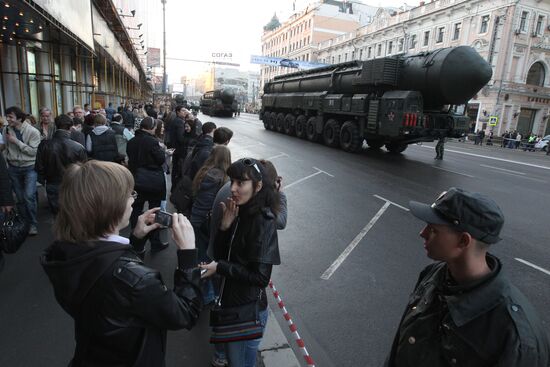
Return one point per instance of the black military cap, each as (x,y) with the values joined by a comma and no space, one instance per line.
(470,212)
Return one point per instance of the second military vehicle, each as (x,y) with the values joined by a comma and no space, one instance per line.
(219,102)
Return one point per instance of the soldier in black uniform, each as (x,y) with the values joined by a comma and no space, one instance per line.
(463,310)
(440,148)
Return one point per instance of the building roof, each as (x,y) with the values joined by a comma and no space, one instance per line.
(273,23)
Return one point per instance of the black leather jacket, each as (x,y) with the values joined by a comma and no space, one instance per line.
(121,308)
(55,154)
(254,251)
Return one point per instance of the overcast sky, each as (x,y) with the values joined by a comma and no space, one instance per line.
(196,29)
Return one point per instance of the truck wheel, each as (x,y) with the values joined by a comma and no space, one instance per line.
(300,127)
(266,118)
(272,120)
(311,130)
(349,137)
(396,148)
(331,133)
(279,125)
(289,124)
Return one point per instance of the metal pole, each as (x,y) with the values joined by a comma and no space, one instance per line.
(164,84)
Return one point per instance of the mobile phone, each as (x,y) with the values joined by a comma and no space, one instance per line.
(203,271)
(163,218)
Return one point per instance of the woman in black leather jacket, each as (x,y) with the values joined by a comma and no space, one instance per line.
(120,307)
(251,212)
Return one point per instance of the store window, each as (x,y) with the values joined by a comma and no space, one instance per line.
(33,87)
(58,88)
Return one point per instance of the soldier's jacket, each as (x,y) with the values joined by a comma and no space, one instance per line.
(485,323)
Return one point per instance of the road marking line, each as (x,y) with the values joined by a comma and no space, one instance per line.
(391,202)
(493,158)
(533,265)
(524,177)
(319,171)
(325,172)
(503,169)
(277,156)
(336,264)
(458,173)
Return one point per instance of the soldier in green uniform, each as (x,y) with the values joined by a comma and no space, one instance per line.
(463,310)
(440,148)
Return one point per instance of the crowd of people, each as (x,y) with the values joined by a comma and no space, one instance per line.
(99,168)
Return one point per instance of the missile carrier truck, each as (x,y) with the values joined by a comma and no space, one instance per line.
(392,101)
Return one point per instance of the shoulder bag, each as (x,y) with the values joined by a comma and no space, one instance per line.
(236,323)
(13,232)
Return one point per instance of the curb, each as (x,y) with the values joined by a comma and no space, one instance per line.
(274,350)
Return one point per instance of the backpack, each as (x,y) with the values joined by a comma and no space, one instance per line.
(182,196)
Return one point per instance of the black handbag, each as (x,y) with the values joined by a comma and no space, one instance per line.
(149,180)
(236,323)
(13,232)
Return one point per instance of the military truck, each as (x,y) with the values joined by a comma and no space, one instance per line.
(392,101)
(219,102)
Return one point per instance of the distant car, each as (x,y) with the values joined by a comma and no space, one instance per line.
(289,63)
(543,144)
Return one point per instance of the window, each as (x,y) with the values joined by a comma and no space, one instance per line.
(339,58)
(413,41)
(456,33)
(401,43)
(538,29)
(426,38)
(523,21)
(440,34)
(484,24)
(379,50)
(332,60)
(33,87)
(369,53)
(361,54)
(346,56)
(390,47)
(536,75)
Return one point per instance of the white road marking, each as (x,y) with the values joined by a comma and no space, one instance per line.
(277,156)
(319,171)
(493,158)
(533,265)
(524,177)
(457,173)
(391,202)
(336,264)
(503,169)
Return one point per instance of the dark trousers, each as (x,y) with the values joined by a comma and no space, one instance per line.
(52,191)
(137,210)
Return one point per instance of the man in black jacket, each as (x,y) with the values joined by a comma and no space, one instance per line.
(53,157)
(463,310)
(202,149)
(182,136)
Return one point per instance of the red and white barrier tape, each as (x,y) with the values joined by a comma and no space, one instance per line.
(292,326)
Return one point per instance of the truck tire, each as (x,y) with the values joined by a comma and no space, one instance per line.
(290,123)
(300,127)
(272,120)
(349,137)
(266,117)
(311,130)
(331,133)
(396,148)
(279,125)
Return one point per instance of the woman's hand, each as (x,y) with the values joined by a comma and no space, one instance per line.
(230,212)
(182,232)
(146,223)
(210,269)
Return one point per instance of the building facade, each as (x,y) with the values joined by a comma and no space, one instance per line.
(512,35)
(63,53)
(297,38)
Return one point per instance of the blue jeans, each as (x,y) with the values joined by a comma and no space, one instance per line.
(23,180)
(243,354)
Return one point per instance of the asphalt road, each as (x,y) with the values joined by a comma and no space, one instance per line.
(336,201)
(350,318)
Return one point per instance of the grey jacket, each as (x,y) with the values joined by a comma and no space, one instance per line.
(22,153)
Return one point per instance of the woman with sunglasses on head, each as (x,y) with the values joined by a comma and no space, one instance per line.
(245,249)
(146,158)
(121,308)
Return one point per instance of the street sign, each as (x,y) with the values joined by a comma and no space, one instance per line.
(493,120)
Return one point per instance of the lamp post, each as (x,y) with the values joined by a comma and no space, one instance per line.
(164,45)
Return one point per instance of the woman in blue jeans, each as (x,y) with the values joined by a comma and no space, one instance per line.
(250,213)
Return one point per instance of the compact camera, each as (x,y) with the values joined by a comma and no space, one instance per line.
(163,218)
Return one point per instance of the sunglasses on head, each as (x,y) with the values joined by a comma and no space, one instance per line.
(250,162)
